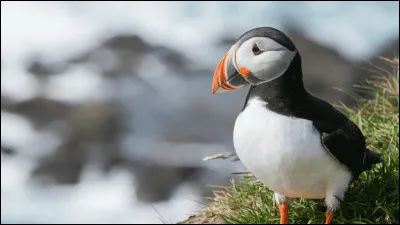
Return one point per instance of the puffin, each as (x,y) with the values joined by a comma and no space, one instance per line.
(296,144)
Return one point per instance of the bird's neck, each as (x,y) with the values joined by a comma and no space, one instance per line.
(283,90)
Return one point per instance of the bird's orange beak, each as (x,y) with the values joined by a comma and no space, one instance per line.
(226,77)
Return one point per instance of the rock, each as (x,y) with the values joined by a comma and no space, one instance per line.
(62,167)
(43,69)
(120,55)
(8,151)
(132,43)
(158,182)
(95,122)
(40,111)
(173,59)
(5,101)
(116,56)
(93,136)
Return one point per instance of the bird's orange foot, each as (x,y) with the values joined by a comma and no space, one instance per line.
(328,217)
(283,210)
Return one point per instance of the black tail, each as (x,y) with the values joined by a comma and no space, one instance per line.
(370,158)
(373,157)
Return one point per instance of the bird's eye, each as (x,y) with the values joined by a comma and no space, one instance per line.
(256,50)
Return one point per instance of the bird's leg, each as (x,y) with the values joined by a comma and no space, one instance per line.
(328,217)
(283,208)
(332,203)
(283,211)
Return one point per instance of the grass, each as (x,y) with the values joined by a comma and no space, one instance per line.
(372,199)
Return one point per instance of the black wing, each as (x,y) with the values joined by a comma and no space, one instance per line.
(340,136)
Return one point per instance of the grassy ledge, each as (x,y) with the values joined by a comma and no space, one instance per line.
(372,199)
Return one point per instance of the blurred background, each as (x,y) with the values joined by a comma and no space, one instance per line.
(107,109)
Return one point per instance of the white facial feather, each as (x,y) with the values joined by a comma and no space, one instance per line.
(270,64)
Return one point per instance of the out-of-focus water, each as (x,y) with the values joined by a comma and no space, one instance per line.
(169,117)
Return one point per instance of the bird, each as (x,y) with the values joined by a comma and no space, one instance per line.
(296,144)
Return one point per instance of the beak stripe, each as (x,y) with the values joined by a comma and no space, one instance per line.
(224,71)
(220,75)
(227,87)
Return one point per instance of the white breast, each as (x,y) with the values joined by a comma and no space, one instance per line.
(286,154)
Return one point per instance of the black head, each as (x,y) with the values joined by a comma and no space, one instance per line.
(260,55)
(268,32)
